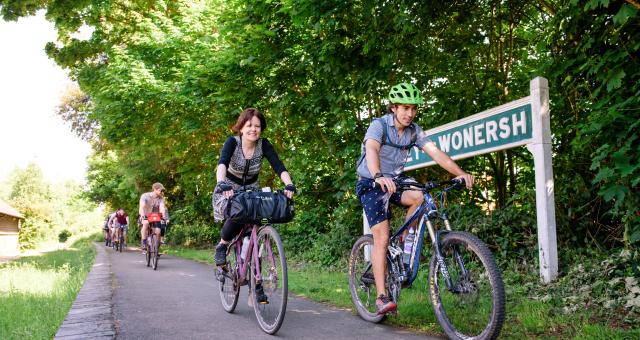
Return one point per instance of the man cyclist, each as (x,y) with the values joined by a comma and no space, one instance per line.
(120,224)
(152,202)
(111,225)
(107,232)
(384,152)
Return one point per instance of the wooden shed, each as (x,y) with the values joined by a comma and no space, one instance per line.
(10,220)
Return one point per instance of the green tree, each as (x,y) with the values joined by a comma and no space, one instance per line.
(31,195)
(162,81)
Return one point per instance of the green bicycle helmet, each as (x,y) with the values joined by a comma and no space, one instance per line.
(405,93)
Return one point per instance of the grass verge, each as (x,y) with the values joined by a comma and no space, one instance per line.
(200,255)
(37,291)
(533,310)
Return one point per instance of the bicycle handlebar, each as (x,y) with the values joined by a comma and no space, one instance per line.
(455,184)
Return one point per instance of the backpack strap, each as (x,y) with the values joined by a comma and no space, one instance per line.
(412,143)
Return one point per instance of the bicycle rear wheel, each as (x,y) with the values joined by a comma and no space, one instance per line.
(361,282)
(474,307)
(228,281)
(273,270)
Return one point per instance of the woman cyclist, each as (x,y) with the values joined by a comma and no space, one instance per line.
(238,169)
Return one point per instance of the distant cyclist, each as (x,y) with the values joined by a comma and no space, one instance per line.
(111,223)
(121,224)
(152,201)
(384,152)
(107,231)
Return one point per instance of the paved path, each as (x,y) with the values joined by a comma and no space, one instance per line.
(180,301)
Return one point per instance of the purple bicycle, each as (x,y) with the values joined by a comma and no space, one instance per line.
(256,257)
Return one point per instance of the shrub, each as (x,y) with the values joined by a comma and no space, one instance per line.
(64,235)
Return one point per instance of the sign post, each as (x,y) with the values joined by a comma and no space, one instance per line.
(521,122)
(540,147)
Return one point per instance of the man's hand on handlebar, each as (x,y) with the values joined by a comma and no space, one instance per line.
(386,184)
(468,179)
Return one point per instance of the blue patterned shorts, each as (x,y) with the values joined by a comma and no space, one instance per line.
(375,202)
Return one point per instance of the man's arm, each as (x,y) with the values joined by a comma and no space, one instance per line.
(141,205)
(163,210)
(447,163)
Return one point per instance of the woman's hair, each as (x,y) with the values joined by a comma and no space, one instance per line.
(247,115)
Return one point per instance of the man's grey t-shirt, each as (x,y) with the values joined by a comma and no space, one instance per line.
(392,159)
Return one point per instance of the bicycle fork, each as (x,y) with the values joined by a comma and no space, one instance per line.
(435,238)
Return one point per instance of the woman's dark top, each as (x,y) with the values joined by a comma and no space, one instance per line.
(244,171)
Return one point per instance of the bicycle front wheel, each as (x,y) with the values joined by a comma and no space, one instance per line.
(156,254)
(273,272)
(361,282)
(228,281)
(148,252)
(474,305)
(152,251)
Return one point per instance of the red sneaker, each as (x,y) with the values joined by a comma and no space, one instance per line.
(385,305)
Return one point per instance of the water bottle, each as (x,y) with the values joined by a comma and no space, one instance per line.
(245,245)
(408,246)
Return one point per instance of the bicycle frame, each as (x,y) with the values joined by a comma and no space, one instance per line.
(426,213)
(252,254)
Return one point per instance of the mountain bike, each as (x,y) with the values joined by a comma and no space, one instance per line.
(465,284)
(153,240)
(119,238)
(256,257)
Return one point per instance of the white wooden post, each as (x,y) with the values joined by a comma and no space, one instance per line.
(545,200)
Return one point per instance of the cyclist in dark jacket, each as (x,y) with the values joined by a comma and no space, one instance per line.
(384,153)
(238,168)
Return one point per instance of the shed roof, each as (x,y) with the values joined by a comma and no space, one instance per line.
(6,209)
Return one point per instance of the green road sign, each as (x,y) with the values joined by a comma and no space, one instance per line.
(478,134)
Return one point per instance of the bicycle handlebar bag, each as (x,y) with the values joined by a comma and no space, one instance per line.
(254,207)
(154,217)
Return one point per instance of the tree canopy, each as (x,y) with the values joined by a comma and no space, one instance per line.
(162,81)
